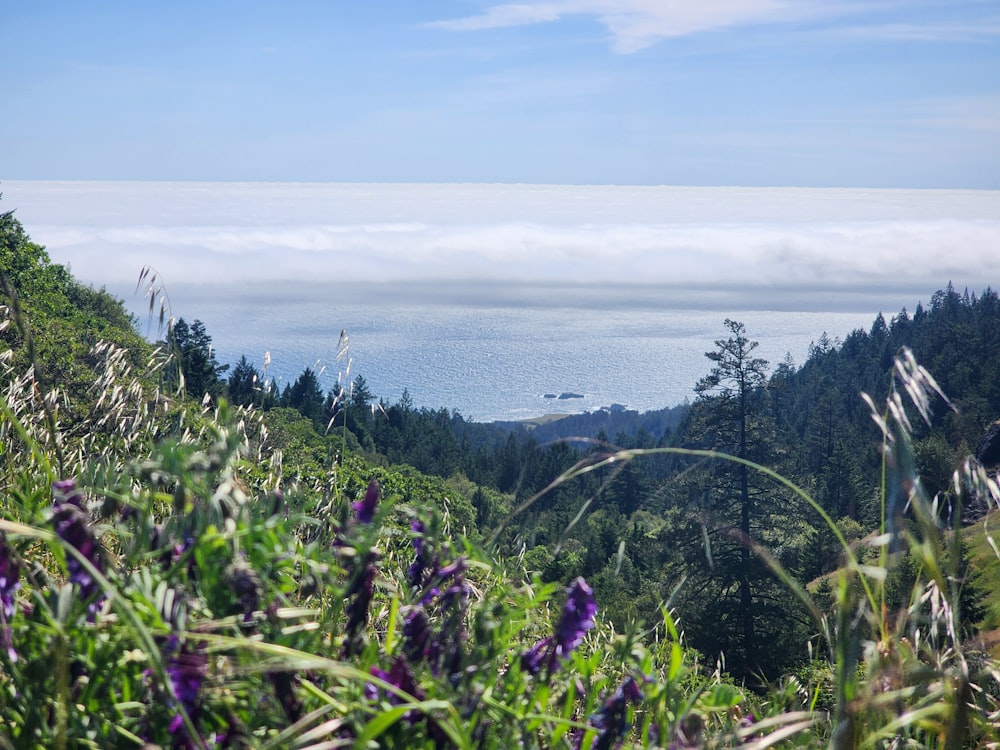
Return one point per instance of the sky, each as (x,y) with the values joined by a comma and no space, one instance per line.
(813,93)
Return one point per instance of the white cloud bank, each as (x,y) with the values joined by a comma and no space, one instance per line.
(763,243)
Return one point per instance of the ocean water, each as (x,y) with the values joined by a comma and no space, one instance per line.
(499,363)
(484,298)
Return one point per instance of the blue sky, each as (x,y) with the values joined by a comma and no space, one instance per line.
(851,93)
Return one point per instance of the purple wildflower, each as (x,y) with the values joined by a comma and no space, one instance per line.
(417,634)
(611,717)
(576,619)
(64,491)
(187,671)
(459,587)
(448,649)
(366,508)
(72,524)
(688,733)
(360,594)
(418,529)
(458,590)
(537,656)
(10,582)
(745,727)
(400,676)
(438,576)
(170,552)
(577,616)
(371,689)
(418,568)
(451,570)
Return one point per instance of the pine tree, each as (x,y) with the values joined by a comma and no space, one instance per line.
(729,410)
(197,362)
(245,386)
(306,396)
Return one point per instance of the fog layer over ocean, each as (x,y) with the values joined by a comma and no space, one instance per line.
(486,297)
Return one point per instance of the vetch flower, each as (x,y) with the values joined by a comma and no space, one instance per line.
(439,576)
(371,689)
(577,615)
(187,671)
(611,717)
(419,529)
(400,676)
(366,508)
(576,619)
(360,595)
(417,570)
(451,570)
(72,524)
(64,491)
(537,656)
(417,635)
(745,727)
(10,582)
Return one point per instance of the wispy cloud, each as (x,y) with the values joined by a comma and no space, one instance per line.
(968,113)
(500,16)
(983,30)
(637,24)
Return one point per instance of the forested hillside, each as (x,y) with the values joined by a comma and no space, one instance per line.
(189,553)
(636,530)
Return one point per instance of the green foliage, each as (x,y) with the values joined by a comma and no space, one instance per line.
(248,387)
(216,610)
(984,567)
(57,323)
(200,372)
(306,397)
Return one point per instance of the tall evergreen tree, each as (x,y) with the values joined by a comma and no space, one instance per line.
(197,362)
(730,405)
(306,396)
(244,387)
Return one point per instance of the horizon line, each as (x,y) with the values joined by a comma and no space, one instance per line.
(445,183)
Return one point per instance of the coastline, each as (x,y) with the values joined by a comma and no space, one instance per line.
(532,422)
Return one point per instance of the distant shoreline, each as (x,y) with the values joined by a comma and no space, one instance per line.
(537,421)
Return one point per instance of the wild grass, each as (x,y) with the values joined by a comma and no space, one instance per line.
(163,582)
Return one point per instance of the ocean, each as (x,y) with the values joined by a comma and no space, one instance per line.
(500,362)
(486,298)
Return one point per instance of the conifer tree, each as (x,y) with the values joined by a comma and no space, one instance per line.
(306,396)
(245,386)
(734,387)
(202,372)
